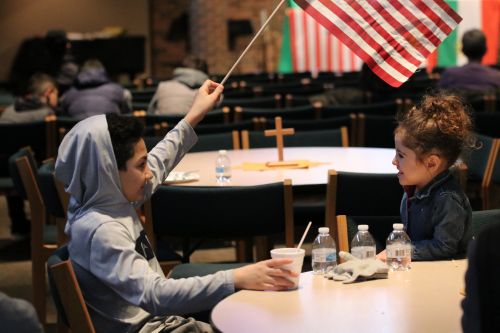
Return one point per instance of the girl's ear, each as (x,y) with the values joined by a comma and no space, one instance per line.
(434,162)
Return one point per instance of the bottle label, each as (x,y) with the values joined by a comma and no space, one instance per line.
(324,255)
(219,169)
(363,252)
(398,251)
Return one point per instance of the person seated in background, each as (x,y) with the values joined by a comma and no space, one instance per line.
(174,97)
(481,305)
(39,101)
(472,76)
(105,167)
(93,93)
(18,315)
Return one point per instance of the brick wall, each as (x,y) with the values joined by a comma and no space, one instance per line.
(208,32)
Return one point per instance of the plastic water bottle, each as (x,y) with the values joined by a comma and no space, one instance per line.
(398,248)
(324,252)
(223,167)
(363,244)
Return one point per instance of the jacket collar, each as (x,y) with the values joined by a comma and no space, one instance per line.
(427,190)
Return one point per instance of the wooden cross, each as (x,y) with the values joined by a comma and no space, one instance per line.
(279,132)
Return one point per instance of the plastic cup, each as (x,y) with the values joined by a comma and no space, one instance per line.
(296,265)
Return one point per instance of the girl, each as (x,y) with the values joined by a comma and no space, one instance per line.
(435,211)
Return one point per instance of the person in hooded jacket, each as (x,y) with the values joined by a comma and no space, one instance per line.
(175,96)
(93,93)
(104,166)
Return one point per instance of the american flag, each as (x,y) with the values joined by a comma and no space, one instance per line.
(393,37)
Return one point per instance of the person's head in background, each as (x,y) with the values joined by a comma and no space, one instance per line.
(430,138)
(130,155)
(42,88)
(474,45)
(194,62)
(93,65)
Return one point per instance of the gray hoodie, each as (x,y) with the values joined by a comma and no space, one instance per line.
(120,277)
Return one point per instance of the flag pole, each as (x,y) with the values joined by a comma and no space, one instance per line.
(252,41)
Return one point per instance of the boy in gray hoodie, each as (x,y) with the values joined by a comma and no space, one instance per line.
(105,167)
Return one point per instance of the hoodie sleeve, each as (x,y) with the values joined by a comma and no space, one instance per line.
(168,152)
(115,261)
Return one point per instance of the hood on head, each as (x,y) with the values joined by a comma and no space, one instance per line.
(192,78)
(87,167)
(92,78)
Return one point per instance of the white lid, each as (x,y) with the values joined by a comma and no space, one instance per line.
(363,227)
(223,152)
(398,226)
(324,230)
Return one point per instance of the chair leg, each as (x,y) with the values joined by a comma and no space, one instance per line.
(39,285)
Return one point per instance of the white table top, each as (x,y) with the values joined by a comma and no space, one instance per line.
(424,299)
(352,159)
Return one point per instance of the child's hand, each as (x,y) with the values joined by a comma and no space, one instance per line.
(382,256)
(264,275)
(204,101)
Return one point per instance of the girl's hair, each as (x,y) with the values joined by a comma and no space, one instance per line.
(440,124)
(125,132)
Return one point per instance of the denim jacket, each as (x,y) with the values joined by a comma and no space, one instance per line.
(438,219)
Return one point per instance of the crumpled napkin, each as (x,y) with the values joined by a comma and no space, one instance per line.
(354,269)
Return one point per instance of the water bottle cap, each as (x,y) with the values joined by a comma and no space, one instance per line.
(222,152)
(398,226)
(324,230)
(363,227)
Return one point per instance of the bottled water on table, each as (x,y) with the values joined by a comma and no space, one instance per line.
(324,252)
(398,249)
(223,167)
(363,244)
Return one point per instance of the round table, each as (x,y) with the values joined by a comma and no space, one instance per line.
(351,159)
(424,299)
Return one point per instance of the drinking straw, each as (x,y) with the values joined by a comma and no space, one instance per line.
(304,235)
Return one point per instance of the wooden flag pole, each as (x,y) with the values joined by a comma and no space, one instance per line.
(252,41)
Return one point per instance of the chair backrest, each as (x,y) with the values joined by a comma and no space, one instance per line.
(206,142)
(376,130)
(50,195)
(38,135)
(14,172)
(296,112)
(487,123)
(320,138)
(359,194)
(66,293)
(481,160)
(37,207)
(222,212)
(379,227)
(484,218)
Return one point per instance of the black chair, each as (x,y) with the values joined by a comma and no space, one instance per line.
(68,298)
(355,194)
(221,213)
(376,130)
(296,112)
(487,123)
(256,102)
(221,128)
(206,142)
(142,95)
(389,108)
(320,138)
(484,218)
(379,227)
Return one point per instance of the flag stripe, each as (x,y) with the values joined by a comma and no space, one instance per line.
(371,19)
(355,29)
(399,23)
